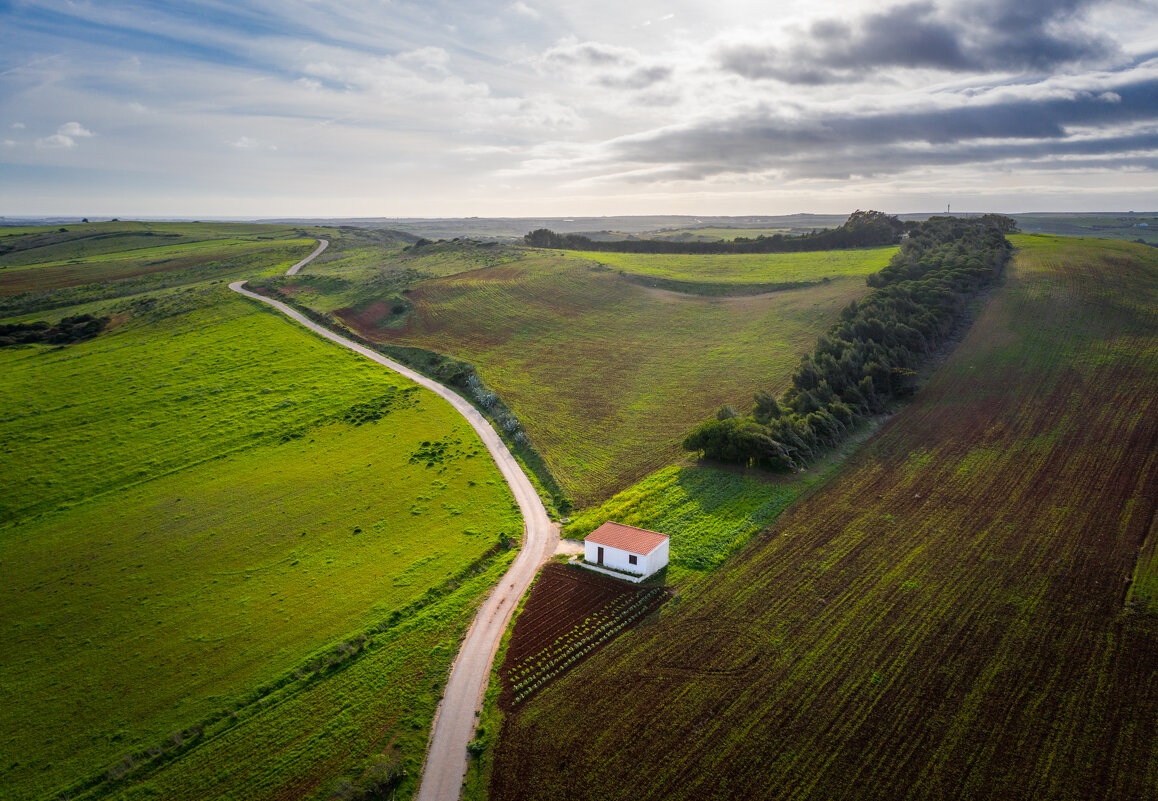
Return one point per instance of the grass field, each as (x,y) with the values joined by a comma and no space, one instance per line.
(306,740)
(707,512)
(200,502)
(608,376)
(1132,226)
(752,270)
(946,619)
(45,269)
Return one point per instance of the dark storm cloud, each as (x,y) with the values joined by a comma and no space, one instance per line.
(828,144)
(1007,35)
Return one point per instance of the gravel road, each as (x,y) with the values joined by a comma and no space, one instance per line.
(322,245)
(454,722)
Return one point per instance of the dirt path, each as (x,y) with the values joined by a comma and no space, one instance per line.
(446,757)
(322,245)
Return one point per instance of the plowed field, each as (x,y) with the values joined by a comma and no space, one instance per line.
(945,619)
(563,598)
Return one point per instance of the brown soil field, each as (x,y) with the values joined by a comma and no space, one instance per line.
(944,619)
(563,597)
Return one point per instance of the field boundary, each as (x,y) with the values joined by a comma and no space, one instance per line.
(715,289)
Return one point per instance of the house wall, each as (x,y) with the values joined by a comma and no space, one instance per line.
(617,558)
(657,559)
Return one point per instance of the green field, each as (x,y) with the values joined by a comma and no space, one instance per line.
(45,271)
(948,617)
(607,376)
(756,270)
(708,513)
(205,501)
(1134,227)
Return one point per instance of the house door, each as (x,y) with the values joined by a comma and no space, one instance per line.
(599,557)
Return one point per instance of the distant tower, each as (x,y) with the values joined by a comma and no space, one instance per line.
(946,208)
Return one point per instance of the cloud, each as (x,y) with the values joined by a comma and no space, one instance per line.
(524,9)
(249,143)
(820,143)
(73,129)
(56,142)
(64,138)
(1036,36)
(17,126)
(606,65)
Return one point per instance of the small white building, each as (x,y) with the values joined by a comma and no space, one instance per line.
(626,549)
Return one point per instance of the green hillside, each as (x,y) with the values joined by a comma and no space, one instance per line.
(204,508)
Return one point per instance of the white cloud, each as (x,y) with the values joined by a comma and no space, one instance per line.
(56,142)
(64,138)
(10,143)
(17,126)
(524,9)
(249,143)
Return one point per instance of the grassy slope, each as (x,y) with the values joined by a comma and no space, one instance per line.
(608,376)
(945,620)
(707,512)
(164,551)
(749,268)
(46,270)
(296,743)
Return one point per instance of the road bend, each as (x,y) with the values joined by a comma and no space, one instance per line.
(322,245)
(454,720)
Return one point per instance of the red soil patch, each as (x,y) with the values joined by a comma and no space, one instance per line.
(367,319)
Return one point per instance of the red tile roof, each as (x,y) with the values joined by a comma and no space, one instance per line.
(626,538)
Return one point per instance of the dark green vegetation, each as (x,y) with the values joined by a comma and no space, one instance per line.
(235,560)
(869,357)
(71,329)
(947,618)
(862,229)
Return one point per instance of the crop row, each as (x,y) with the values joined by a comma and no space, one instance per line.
(569,649)
(570,636)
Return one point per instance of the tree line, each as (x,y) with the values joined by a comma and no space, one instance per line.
(862,229)
(71,329)
(871,354)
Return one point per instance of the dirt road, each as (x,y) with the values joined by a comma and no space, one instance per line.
(454,722)
(322,245)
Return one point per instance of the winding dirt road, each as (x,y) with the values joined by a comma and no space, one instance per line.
(322,245)
(454,721)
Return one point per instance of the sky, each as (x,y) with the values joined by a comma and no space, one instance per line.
(392,108)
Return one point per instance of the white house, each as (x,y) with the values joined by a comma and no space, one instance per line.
(627,549)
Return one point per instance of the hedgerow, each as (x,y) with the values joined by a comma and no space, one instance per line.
(870,356)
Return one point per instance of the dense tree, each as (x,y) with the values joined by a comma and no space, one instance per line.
(871,354)
(862,229)
(71,329)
